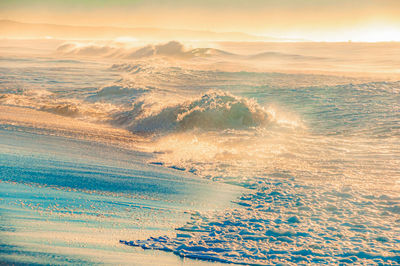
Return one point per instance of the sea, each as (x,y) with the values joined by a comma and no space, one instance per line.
(196,153)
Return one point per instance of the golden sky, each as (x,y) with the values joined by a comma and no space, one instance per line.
(319,20)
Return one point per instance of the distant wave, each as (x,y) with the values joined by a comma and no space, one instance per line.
(118,93)
(215,110)
(174,49)
(171,49)
(282,56)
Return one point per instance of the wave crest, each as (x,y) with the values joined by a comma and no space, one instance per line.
(215,110)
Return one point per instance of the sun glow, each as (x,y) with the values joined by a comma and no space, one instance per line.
(375,33)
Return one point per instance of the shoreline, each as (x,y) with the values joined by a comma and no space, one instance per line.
(67,199)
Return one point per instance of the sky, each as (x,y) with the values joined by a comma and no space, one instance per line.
(317,20)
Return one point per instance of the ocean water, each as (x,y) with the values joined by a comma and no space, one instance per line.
(264,157)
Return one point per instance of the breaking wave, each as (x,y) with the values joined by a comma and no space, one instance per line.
(215,110)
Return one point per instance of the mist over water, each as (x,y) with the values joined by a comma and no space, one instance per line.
(317,152)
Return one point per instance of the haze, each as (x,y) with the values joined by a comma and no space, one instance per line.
(315,20)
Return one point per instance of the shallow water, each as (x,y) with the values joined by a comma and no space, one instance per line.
(313,158)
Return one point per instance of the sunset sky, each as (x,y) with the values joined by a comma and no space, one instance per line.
(318,20)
